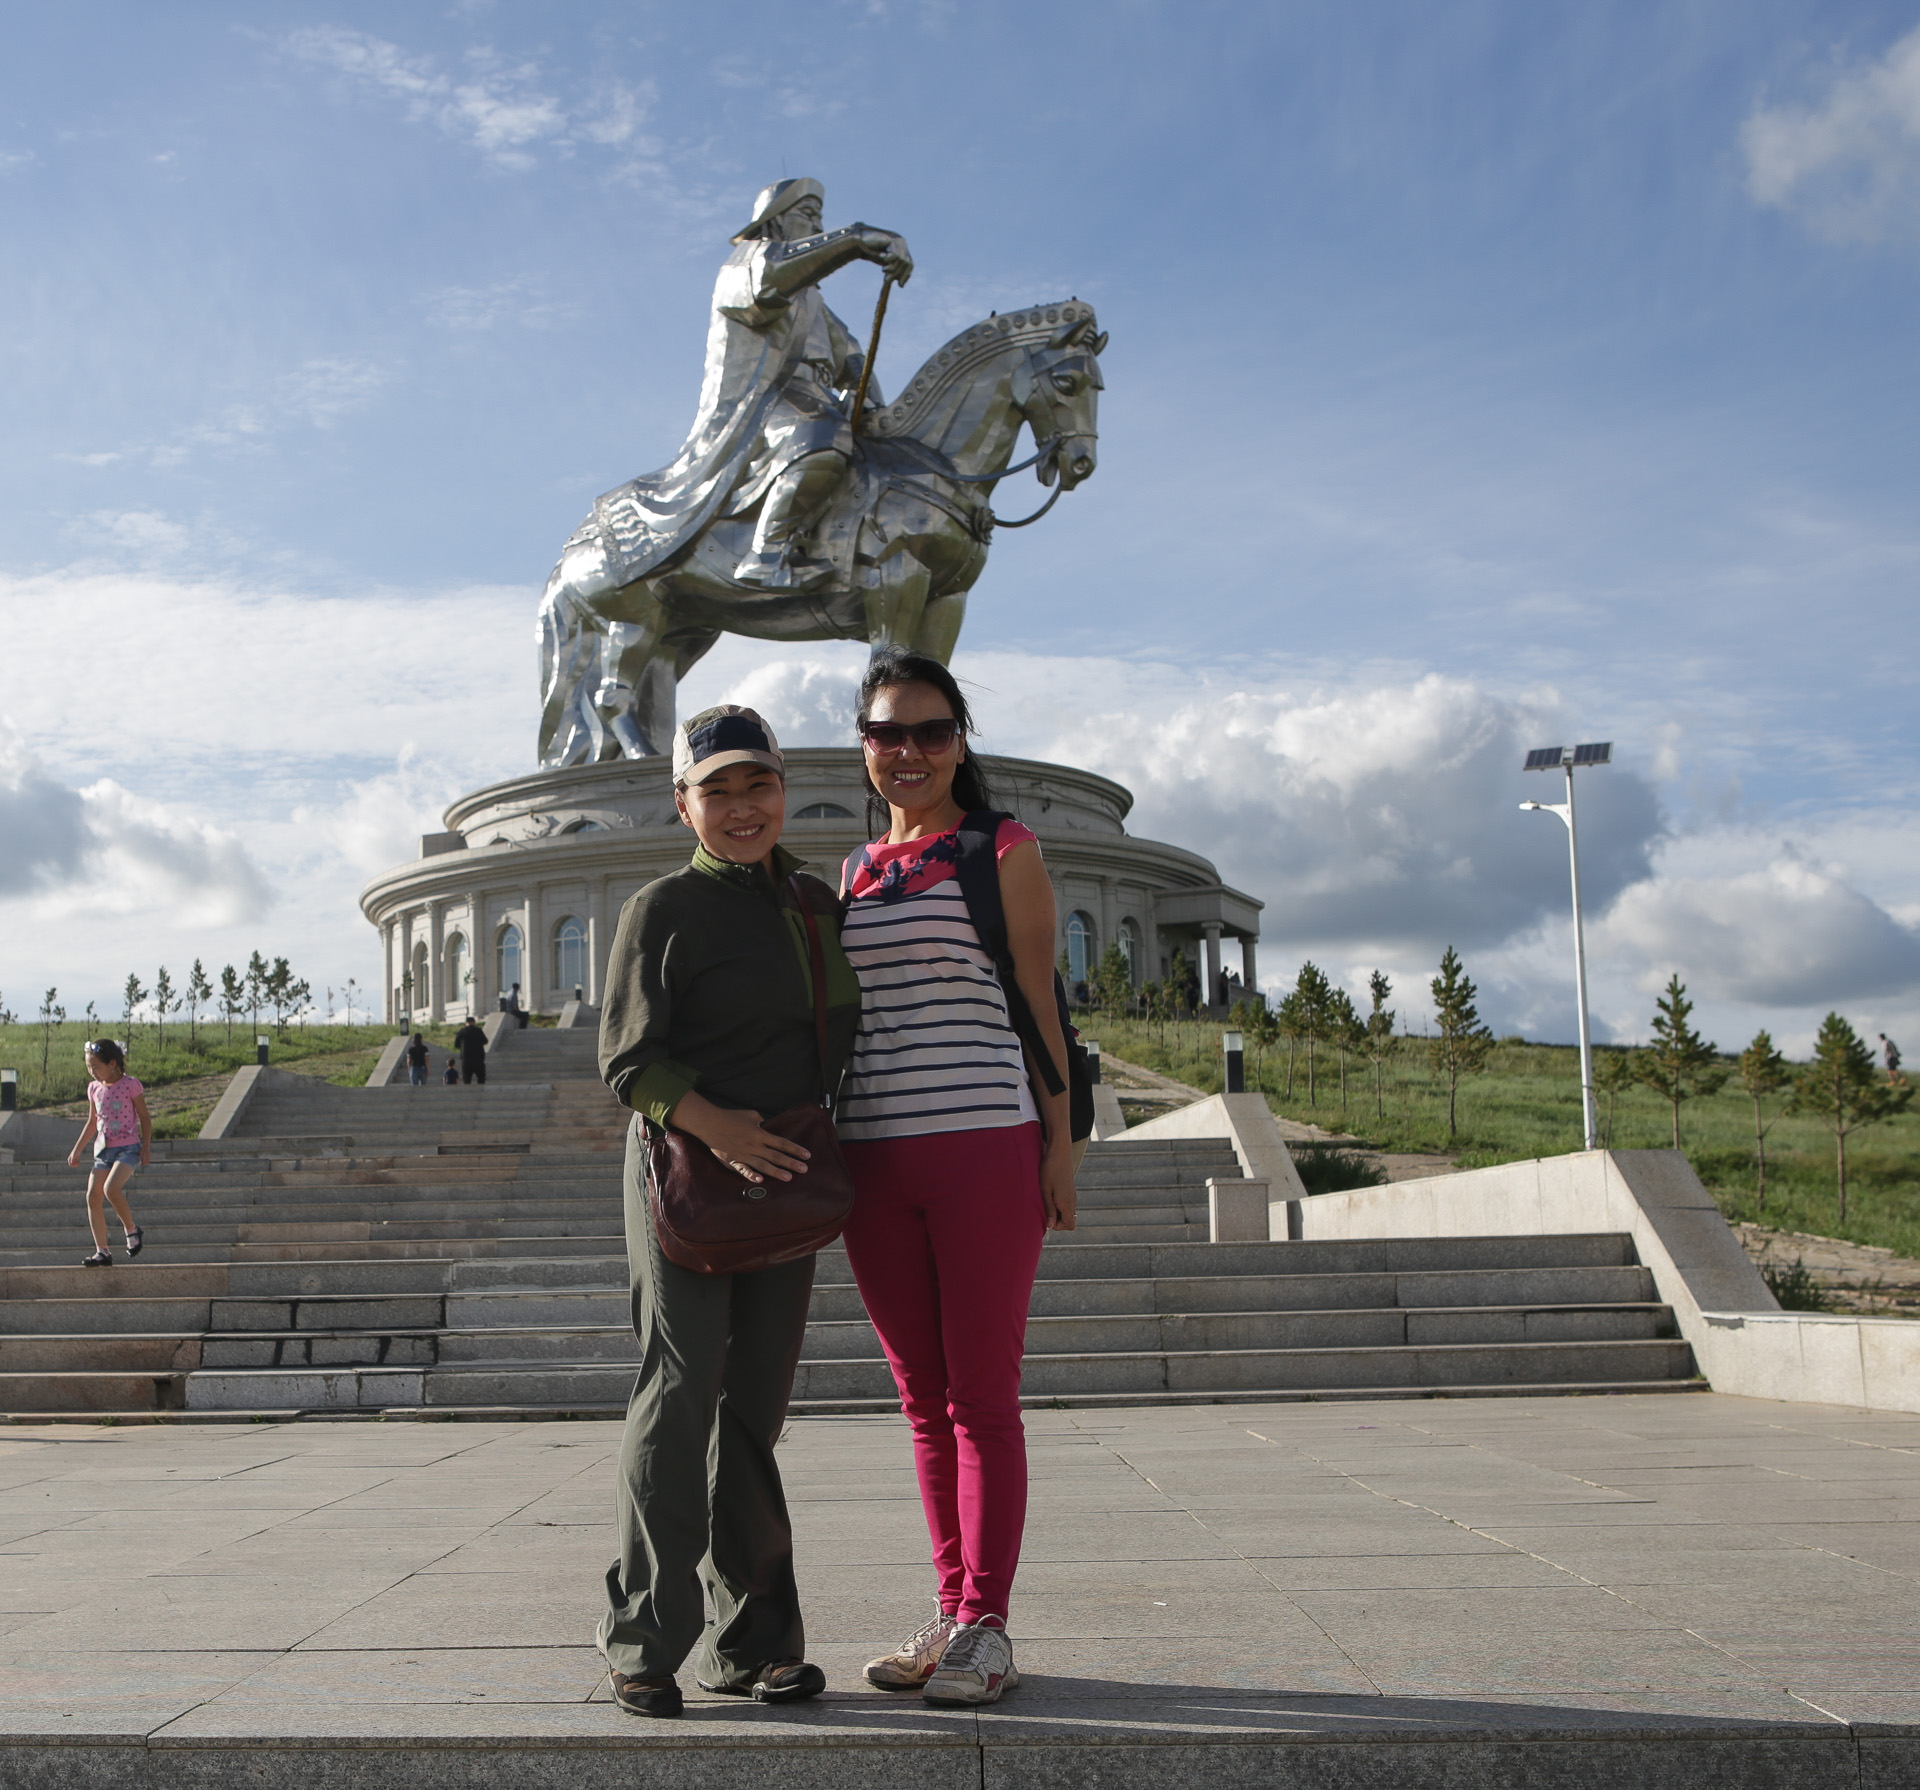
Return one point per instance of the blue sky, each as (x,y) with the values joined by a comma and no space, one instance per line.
(1479,376)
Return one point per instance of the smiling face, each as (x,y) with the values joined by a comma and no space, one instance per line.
(913,781)
(102,1070)
(737,812)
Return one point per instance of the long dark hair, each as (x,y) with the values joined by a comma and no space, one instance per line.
(892,666)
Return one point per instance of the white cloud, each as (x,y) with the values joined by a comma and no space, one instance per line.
(501,109)
(475,310)
(104,850)
(1849,162)
(1788,934)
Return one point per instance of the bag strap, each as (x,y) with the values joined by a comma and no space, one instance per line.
(818,955)
(977,870)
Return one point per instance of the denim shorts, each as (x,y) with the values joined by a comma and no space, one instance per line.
(117,1156)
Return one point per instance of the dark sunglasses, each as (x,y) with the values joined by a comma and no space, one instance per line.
(891,736)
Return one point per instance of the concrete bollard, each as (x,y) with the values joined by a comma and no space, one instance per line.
(1236,1211)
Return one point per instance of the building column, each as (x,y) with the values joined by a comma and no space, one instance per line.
(436,961)
(1109,918)
(539,950)
(596,937)
(386,970)
(1247,974)
(477,959)
(1210,984)
(407,997)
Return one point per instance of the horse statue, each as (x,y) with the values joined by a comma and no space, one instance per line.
(906,537)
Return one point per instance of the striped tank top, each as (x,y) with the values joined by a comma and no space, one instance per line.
(935,1051)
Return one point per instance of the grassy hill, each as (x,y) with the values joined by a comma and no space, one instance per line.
(184,1074)
(1527,1103)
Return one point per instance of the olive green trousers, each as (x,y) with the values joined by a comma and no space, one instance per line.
(701,1514)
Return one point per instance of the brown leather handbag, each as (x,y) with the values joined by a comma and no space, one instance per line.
(714,1221)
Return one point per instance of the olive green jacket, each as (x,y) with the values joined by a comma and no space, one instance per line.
(710,986)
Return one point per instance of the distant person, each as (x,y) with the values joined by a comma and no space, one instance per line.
(472,1042)
(451,1074)
(417,1054)
(117,1114)
(510,1003)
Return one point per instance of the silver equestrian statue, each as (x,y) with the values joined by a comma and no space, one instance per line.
(786,517)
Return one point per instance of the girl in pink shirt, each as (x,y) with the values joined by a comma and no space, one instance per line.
(121,1130)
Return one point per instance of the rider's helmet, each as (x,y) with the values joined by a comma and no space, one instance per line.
(783,195)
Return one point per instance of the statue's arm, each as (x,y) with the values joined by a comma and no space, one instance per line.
(786,267)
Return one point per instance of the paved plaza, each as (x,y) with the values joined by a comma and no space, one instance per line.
(1655,1589)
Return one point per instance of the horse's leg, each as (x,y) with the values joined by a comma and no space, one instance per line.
(896,600)
(635,693)
(572,633)
(940,625)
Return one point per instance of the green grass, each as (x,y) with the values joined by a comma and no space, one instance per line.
(183,1079)
(1527,1103)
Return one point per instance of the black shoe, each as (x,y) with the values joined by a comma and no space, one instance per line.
(135,1238)
(646,1696)
(781,1681)
(99,1259)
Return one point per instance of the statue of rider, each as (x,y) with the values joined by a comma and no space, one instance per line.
(774,427)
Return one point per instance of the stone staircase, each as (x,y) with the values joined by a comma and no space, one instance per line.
(459,1251)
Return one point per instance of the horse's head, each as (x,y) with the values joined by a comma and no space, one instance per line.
(1060,398)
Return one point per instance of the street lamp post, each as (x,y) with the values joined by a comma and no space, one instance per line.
(1567,759)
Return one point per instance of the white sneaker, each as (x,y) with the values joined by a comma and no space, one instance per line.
(911,1664)
(975,1668)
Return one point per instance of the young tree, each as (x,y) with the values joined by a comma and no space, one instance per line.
(1381,1042)
(1841,1088)
(233,997)
(7,1016)
(1461,1043)
(1290,1025)
(1177,981)
(1113,982)
(51,1015)
(165,1001)
(258,976)
(1346,1032)
(353,988)
(1261,1029)
(134,995)
(1763,1073)
(1314,994)
(199,992)
(300,994)
(1679,1063)
(1613,1075)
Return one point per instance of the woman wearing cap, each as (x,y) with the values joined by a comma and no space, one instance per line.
(960,1164)
(709,1025)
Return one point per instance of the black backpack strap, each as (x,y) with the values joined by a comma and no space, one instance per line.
(977,870)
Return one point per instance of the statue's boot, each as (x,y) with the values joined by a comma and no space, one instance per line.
(792,507)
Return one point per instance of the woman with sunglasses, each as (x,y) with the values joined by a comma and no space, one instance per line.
(960,1160)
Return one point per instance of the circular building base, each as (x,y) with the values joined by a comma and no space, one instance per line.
(527,881)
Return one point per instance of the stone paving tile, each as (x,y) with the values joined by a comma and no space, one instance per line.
(1202,1573)
(103,1691)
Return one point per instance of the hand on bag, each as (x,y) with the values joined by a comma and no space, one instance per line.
(733,1134)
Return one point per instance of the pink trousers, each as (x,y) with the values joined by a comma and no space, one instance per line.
(944,1240)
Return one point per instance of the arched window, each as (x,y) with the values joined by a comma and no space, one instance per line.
(417,996)
(584,826)
(1079,947)
(457,976)
(824,811)
(569,956)
(1129,942)
(510,956)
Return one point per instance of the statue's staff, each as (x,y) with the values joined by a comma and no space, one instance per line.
(873,350)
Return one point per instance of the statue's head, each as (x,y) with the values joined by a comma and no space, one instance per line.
(784,204)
